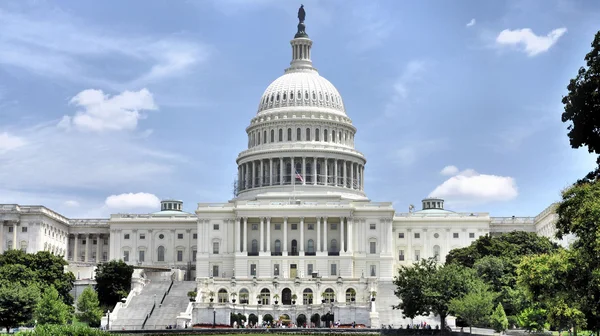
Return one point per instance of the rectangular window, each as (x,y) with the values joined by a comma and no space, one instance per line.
(373,270)
(83,242)
(455,235)
(294,226)
(216,248)
(254,227)
(194,236)
(95,242)
(193,255)
(471,235)
(333,269)
(104,256)
(401,235)
(417,255)
(126,236)
(309,269)
(215,271)
(417,235)
(215,226)
(372,247)
(401,255)
(311,226)
(105,241)
(126,256)
(252,269)
(24,229)
(141,256)
(276,270)
(334,226)
(180,255)
(10,229)
(142,236)
(277,226)
(180,236)
(372,226)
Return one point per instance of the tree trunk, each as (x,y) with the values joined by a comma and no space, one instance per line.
(470,330)
(443,323)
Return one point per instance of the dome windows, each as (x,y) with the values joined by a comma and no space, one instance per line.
(292,95)
(280,135)
(320,95)
(317,135)
(314,95)
(308,134)
(284,96)
(306,95)
(277,97)
(289,135)
(325,136)
(272,136)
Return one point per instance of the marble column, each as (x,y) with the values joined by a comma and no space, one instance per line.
(245,241)
(253,174)
(350,234)
(98,248)
(75,248)
(270,171)
(268,234)
(345,174)
(301,235)
(87,247)
(281,171)
(314,171)
(325,161)
(237,234)
(262,173)
(319,248)
(303,170)
(261,247)
(174,235)
(15,242)
(342,237)
(351,175)
(285,229)
(325,242)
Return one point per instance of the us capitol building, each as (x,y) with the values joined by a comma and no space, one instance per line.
(301,237)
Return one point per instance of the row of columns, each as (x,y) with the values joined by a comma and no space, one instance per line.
(88,241)
(15,225)
(252,174)
(242,227)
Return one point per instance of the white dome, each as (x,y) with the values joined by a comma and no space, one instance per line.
(302,88)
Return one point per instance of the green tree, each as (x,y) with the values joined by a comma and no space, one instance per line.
(113,282)
(475,306)
(56,330)
(533,319)
(411,284)
(582,106)
(17,304)
(498,319)
(51,310)
(88,307)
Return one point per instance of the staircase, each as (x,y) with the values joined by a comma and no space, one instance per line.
(175,302)
(134,315)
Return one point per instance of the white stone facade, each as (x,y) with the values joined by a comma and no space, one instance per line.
(300,225)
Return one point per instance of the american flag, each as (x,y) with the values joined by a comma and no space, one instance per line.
(299,177)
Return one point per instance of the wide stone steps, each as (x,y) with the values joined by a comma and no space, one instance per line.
(175,302)
(132,317)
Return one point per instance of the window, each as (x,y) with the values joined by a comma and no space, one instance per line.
(244,296)
(311,246)
(125,256)
(311,226)
(308,134)
(325,135)
(309,269)
(278,246)
(194,236)
(436,235)
(180,236)
(141,256)
(298,134)
(83,242)
(417,235)
(372,247)
(401,235)
(215,271)
(272,135)
(180,255)
(105,241)
(455,235)
(350,295)
(161,253)
(417,255)
(372,226)
(215,226)
(252,269)
(307,296)
(294,226)
(277,226)
(373,270)
(280,135)
(161,236)
(401,255)
(333,246)
(333,226)
(222,295)
(24,229)
(436,252)
(254,246)
(332,136)
(215,247)
(276,270)
(126,236)
(194,255)
(289,137)
(254,227)
(10,229)
(333,269)
(471,235)
(317,135)
(142,236)
(95,242)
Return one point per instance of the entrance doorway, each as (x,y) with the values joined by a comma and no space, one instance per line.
(286,296)
(293,271)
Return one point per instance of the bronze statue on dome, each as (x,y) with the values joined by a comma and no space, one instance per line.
(301,27)
(301,14)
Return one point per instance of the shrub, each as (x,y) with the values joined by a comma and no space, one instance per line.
(63,330)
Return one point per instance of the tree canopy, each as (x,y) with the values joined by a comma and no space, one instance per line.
(88,307)
(17,304)
(51,310)
(113,282)
(475,306)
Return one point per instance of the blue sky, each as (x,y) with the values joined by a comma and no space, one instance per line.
(107,106)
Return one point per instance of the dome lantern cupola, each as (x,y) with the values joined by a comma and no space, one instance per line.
(171,205)
(433,203)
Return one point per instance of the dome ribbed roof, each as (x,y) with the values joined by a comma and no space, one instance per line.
(302,88)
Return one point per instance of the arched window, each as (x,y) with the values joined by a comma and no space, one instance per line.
(298,134)
(244,296)
(294,247)
(258,138)
(280,135)
(278,246)
(308,134)
(309,172)
(333,246)
(307,296)
(289,134)
(277,99)
(161,253)
(265,137)
(310,246)
(292,95)
(284,96)
(265,295)
(333,138)
(306,95)
(253,142)
(436,252)
(350,295)
(317,135)
(254,246)
(329,295)
(325,136)
(222,296)
(272,96)
(314,95)
(272,136)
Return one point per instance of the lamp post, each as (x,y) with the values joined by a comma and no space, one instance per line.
(108,320)
(214,317)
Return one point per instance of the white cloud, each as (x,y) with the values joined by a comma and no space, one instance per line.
(531,43)
(471,23)
(101,112)
(414,150)
(449,171)
(71,203)
(132,201)
(412,74)
(9,142)
(471,187)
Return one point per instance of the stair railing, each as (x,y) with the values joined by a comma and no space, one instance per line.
(148,315)
(166,292)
